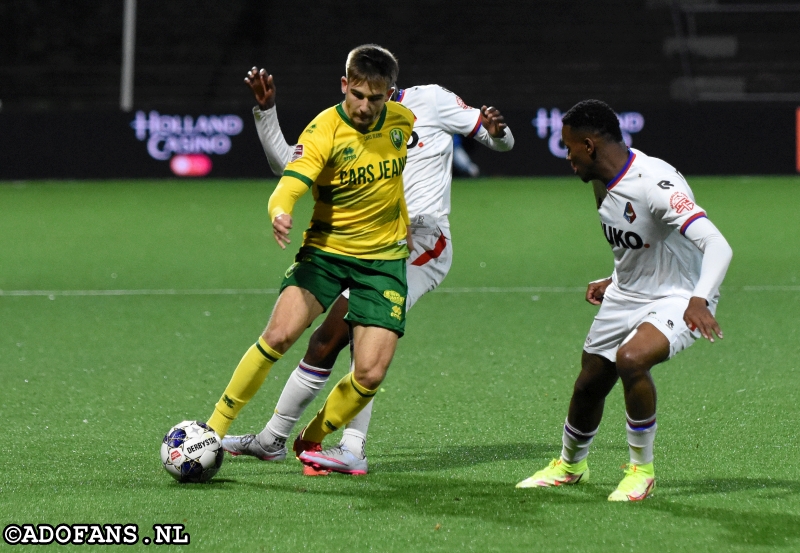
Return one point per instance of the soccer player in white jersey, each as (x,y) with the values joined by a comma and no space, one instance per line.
(669,261)
(427,181)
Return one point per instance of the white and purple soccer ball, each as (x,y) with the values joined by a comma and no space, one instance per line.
(192,452)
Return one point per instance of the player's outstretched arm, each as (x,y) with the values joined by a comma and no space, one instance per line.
(717,255)
(494,132)
(277,150)
(597,290)
(262,85)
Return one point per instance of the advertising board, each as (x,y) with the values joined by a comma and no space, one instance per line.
(700,139)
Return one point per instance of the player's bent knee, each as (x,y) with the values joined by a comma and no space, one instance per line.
(631,364)
(370,379)
(369,382)
(279,339)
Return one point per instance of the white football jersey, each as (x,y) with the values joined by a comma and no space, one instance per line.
(429,172)
(644,212)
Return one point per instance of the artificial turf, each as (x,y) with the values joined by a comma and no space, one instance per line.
(473,403)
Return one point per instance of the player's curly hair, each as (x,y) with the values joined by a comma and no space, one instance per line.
(595,116)
(372,64)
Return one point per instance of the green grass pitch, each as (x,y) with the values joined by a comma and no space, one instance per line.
(473,403)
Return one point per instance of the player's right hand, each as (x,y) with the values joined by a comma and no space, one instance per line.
(281,225)
(597,290)
(493,121)
(698,317)
(263,87)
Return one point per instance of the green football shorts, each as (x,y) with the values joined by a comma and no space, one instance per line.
(378,287)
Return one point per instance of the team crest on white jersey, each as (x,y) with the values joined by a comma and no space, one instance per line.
(298,152)
(630,214)
(680,202)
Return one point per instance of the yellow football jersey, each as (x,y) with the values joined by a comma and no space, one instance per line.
(357,183)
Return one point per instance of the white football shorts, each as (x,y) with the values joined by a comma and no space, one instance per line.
(620,315)
(429,262)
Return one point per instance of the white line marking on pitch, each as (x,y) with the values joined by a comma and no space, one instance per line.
(165,292)
(269,291)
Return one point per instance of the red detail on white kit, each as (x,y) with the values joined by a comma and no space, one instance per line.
(437,250)
(680,202)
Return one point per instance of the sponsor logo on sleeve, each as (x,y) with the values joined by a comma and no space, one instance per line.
(298,152)
(462,103)
(680,202)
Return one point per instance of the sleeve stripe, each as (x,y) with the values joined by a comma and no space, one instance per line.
(302,178)
(475,130)
(691,220)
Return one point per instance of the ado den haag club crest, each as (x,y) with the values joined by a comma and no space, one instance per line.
(396,136)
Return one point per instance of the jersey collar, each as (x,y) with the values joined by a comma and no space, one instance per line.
(400,94)
(346,119)
(623,171)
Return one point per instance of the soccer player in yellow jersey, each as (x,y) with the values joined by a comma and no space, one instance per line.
(352,157)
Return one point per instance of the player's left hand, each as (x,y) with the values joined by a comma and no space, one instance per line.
(281,225)
(493,121)
(698,316)
(263,87)
(597,290)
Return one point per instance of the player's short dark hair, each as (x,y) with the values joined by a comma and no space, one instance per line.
(372,64)
(594,116)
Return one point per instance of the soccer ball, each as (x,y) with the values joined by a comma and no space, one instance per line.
(192,452)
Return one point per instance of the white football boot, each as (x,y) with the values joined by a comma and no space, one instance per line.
(249,445)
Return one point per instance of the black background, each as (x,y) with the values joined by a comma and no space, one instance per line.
(709,139)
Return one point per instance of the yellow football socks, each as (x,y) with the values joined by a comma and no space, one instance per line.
(245,382)
(346,399)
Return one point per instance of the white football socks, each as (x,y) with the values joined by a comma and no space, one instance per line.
(355,434)
(303,386)
(575,443)
(641,435)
